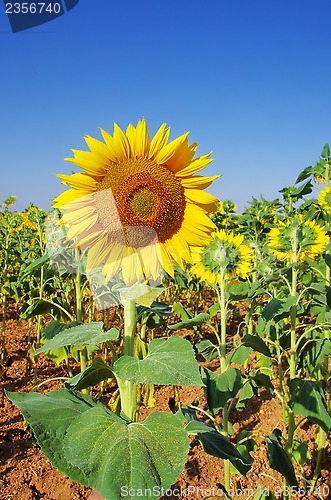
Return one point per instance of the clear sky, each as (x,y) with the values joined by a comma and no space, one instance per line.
(250,79)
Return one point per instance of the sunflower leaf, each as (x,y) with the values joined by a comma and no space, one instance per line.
(279,459)
(199,319)
(87,334)
(308,400)
(118,457)
(49,416)
(219,446)
(92,375)
(220,387)
(168,362)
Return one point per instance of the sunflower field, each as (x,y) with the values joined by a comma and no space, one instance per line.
(139,282)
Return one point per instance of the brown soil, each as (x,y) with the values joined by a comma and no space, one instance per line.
(25,473)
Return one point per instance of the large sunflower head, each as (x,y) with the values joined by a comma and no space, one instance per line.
(296,239)
(137,205)
(227,255)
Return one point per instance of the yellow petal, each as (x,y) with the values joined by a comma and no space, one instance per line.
(96,254)
(164,155)
(98,148)
(195,166)
(115,153)
(77,216)
(166,260)
(88,162)
(90,238)
(132,269)
(141,145)
(179,250)
(83,226)
(199,181)
(122,143)
(114,261)
(69,196)
(182,156)
(159,140)
(196,238)
(195,216)
(199,196)
(79,181)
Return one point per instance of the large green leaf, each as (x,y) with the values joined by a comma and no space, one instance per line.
(92,375)
(219,446)
(307,399)
(304,174)
(256,343)
(117,456)
(213,442)
(278,308)
(51,330)
(87,334)
(199,319)
(49,416)
(220,387)
(36,264)
(279,459)
(239,355)
(182,312)
(168,362)
(246,394)
(37,308)
(207,349)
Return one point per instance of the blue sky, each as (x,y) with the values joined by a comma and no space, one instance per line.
(251,80)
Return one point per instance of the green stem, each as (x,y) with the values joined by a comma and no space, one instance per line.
(83,359)
(129,390)
(222,348)
(3,333)
(281,377)
(39,329)
(327,275)
(292,362)
(321,442)
(223,322)
(293,318)
(227,464)
(78,289)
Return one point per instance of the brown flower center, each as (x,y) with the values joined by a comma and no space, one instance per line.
(138,201)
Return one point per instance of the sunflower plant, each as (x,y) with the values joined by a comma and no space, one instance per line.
(297,243)
(9,265)
(225,264)
(135,209)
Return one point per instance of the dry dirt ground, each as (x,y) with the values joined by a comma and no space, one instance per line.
(25,473)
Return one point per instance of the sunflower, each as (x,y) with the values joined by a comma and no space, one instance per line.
(297,239)
(226,254)
(137,206)
(9,201)
(25,222)
(324,198)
